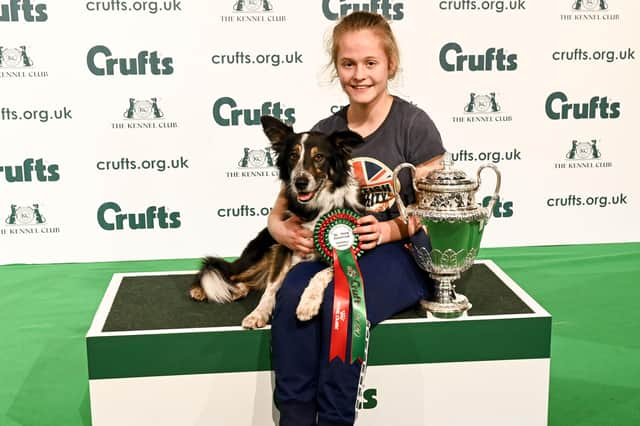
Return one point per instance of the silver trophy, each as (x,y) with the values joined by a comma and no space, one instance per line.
(447,211)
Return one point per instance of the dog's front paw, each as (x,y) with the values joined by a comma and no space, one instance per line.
(255,319)
(309,305)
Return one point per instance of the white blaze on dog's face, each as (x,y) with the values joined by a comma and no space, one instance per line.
(308,171)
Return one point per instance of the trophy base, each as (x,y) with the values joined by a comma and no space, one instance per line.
(453,308)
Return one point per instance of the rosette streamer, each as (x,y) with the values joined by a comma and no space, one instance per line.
(338,245)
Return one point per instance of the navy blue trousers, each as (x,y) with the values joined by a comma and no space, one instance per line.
(307,384)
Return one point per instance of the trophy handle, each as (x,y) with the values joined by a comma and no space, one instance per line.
(496,190)
(397,186)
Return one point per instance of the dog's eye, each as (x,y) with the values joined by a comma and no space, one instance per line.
(294,156)
(318,158)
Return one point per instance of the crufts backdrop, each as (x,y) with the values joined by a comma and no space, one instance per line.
(129,129)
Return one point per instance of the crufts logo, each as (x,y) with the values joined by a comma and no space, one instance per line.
(24,172)
(369,399)
(334,10)
(17,10)
(100,62)
(111,218)
(557,107)
(500,208)
(25,215)
(11,57)
(590,5)
(492,59)
(227,113)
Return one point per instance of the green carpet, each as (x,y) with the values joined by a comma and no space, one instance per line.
(591,290)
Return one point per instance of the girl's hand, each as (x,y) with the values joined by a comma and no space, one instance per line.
(413,225)
(292,235)
(370,232)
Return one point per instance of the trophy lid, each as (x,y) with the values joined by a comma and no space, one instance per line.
(447,179)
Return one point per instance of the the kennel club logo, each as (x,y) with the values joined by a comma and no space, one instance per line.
(252,6)
(482,103)
(253,162)
(256,158)
(589,10)
(17,62)
(25,215)
(252,11)
(145,109)
(143,114)
(25,220)
(590,5)
(583,154)
(584,150)
(482,108)
(15,57)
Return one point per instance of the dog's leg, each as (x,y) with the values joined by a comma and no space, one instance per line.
(259,317)
(312,296)
(239,291)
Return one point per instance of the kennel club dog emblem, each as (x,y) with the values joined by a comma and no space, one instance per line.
(15,57)
(256,158)
(25,215)
(144,109)
(252,6)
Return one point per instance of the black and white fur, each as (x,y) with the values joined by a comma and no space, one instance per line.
(315,172)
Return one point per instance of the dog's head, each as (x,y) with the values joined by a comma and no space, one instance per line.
(310,162)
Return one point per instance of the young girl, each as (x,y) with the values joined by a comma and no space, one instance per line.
(309,389)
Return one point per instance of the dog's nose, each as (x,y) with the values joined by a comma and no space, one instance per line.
(301,183)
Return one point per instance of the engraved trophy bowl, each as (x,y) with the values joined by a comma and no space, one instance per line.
(446,209)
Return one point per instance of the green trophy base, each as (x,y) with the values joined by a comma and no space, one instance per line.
(155,357)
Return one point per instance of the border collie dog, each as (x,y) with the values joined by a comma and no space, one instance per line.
(315,172)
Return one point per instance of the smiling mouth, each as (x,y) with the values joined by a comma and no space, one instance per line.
(304,197)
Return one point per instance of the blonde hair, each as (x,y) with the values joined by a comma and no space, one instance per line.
(361,20)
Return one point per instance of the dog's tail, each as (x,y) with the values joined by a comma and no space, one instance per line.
(213,280)
(220,279)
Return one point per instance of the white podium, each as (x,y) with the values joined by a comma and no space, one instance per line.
(157,358)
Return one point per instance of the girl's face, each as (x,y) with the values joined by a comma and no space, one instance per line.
(362,66)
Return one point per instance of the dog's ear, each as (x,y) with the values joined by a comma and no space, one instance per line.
(276,131)
(345,141)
